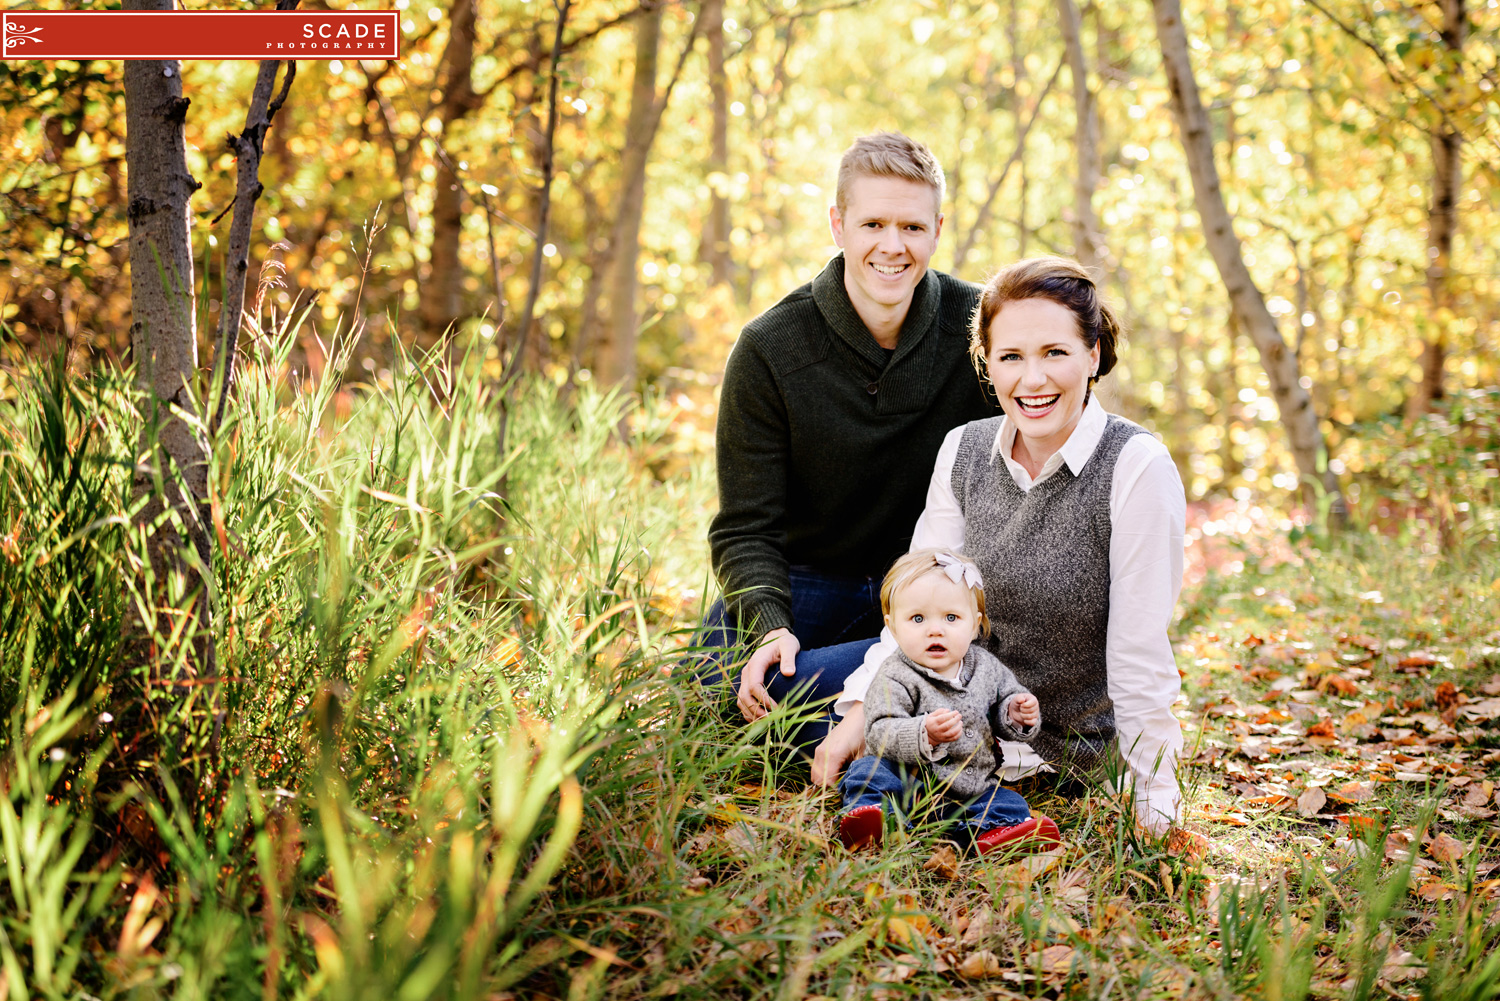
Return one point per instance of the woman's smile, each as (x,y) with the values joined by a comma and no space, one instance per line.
(1040,368)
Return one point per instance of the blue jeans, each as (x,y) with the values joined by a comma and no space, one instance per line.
(836,619)
(889,784)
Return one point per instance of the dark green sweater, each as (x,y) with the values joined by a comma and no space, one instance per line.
(825,447)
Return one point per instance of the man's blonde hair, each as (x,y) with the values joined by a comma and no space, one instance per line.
(888,154)
(919,563)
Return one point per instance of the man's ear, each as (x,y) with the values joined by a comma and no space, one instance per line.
(836,226)
(938,231)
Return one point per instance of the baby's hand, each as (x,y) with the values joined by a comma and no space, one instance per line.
(944,726)
(1024,711)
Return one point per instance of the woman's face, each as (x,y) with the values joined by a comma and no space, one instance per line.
(1040,368)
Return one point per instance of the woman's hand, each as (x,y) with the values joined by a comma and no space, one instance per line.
(1024,711)
(944,726)
(844,743)
(778,645)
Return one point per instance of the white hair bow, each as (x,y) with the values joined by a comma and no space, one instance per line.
(960,571)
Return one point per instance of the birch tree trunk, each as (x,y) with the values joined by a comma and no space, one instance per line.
(173,466)
(1442,222)
(715,248)
(440,300)
(616,357)
(1087,244)
(1248,304)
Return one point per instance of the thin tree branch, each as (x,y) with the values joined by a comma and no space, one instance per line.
(247,148)
(1401,79)
(513,368)
(983,217)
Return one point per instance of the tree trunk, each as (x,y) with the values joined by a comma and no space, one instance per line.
(1246,300)
(163,334)
(247,148)
(715,248)
(1442,221)
(1087,244)
(441,297)
(616,358)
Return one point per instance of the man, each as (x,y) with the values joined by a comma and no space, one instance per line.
(834,404)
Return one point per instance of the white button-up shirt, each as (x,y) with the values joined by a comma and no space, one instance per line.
(1147,513)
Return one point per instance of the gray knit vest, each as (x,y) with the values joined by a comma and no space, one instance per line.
(1044,554)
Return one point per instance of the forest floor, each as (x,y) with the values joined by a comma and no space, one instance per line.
(1341,777)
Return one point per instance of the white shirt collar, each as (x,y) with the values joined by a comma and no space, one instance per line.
(1076,451)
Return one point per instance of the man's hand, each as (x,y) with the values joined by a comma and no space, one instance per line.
(1024,711)
(944,726)
(778,645)
(844,743)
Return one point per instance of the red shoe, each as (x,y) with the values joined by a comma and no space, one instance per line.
(1038,833)
(861,826)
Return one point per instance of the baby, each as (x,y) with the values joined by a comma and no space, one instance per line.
(935,709)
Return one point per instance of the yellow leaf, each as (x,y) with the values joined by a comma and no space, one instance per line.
(980,964)
(944,862)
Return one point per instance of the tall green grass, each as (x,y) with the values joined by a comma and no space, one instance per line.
(413,668)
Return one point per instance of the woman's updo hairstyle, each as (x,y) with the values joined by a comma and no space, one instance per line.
(1064,282)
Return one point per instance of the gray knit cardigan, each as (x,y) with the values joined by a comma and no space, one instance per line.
(902,692)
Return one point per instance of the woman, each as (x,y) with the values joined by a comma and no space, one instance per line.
(1075,518)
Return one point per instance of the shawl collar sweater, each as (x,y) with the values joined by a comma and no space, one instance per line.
(826,444)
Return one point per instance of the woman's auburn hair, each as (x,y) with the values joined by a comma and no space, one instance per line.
(919,563)
(1060,280)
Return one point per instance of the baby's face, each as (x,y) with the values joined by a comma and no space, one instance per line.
(934,621)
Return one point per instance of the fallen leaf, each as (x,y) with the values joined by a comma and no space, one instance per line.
(1056,958)
(1311,801)
(1072,889)
(1446,695)
(1435,890)
(944,862)
(1416,662)
(1484,709)
(1232,819)
(895,973)
(980,964)
(1353,792)
(1479,793)
(1337,683)
(1446,848)
(1181,841)
(1400,965)
(908,929)
(982,925)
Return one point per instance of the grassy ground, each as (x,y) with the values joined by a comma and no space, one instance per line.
(444,756)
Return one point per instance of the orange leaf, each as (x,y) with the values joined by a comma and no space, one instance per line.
(944,862)
(1446,848)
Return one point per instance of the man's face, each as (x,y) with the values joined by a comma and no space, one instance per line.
(888,231)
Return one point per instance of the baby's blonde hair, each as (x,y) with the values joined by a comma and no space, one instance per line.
(920,563)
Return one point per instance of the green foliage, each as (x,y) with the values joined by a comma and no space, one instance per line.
(421,644)
(1440,474)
